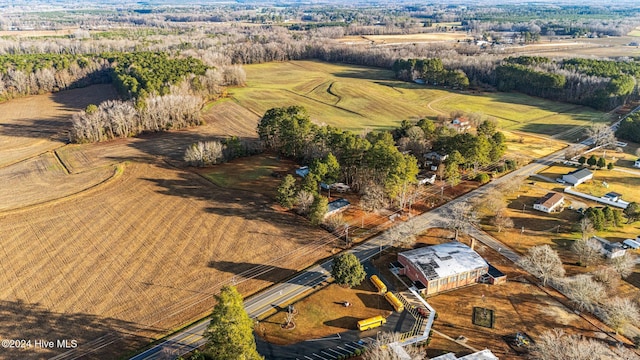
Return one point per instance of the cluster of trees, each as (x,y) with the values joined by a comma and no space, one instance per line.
(205,153)
(373,159)
(629,128)
(139,74)
(555,344)
(118,119)
(611,81)
(589,292)
(603,218)
(32,74)
(431,71)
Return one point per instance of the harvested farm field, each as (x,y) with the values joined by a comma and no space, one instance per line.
(145,252)
(34,124)
(116,244)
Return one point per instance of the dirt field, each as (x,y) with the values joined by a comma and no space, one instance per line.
(124,246)
(34,124)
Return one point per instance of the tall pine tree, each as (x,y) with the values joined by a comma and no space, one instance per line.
(230,334)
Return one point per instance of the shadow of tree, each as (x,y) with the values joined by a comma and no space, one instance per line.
(91,333)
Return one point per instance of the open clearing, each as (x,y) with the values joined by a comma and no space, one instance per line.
(357,98)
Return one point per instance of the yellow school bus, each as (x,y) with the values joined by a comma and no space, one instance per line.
(393,300)
(371,323)
(382,288)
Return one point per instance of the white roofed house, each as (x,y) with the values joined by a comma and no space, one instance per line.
(577,177)
(549,203)
(442,267)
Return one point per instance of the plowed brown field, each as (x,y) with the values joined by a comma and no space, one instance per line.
(111,244)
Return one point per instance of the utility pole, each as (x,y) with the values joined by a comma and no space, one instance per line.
(524,206)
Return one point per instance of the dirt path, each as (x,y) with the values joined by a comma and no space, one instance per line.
(438,112)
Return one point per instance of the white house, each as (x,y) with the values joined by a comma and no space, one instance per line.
(637,163)
(337,206)
(577,177)
(549,203)
(460,125)
(609,249)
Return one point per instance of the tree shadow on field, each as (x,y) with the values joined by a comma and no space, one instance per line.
(229,202)
(96,337)
(366,74)
(56,127)
(270,273)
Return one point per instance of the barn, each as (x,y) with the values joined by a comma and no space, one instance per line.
(442,267)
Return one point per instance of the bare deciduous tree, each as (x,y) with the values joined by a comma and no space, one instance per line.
(584,291)
(588,251)
(204,153)
(586,228)
(501,221)
(542,262)
(461,215)
(373,197)
(557,345)
(608,277)
(303,202)
(617,311)
(602,134)
(624,264)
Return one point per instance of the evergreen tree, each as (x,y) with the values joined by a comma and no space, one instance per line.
(592,161)
(632,212)
(582,160)
(602,163)
(230,333)
(286,193)
(347,270)
(318,209)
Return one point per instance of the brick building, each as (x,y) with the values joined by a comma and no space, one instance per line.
(442,267)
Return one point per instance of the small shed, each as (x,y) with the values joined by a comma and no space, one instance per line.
(302,171)
(610,250)
(632,244)
(612,196)
(577,177)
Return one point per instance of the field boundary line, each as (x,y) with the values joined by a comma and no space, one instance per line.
(324,103)
(117,172)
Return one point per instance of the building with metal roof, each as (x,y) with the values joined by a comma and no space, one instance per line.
(442,267)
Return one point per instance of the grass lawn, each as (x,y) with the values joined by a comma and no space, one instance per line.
(531,146)
(250,173)
(617,181)
(322,314)
(357,98)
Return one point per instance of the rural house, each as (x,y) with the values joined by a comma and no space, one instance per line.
(459,125)
(337,206)
(442,267)
(549,203)
(485,354)
(608,249)
(577,177)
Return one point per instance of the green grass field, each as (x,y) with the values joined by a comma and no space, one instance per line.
(356,98)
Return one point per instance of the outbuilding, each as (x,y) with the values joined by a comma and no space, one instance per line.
(577,177)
